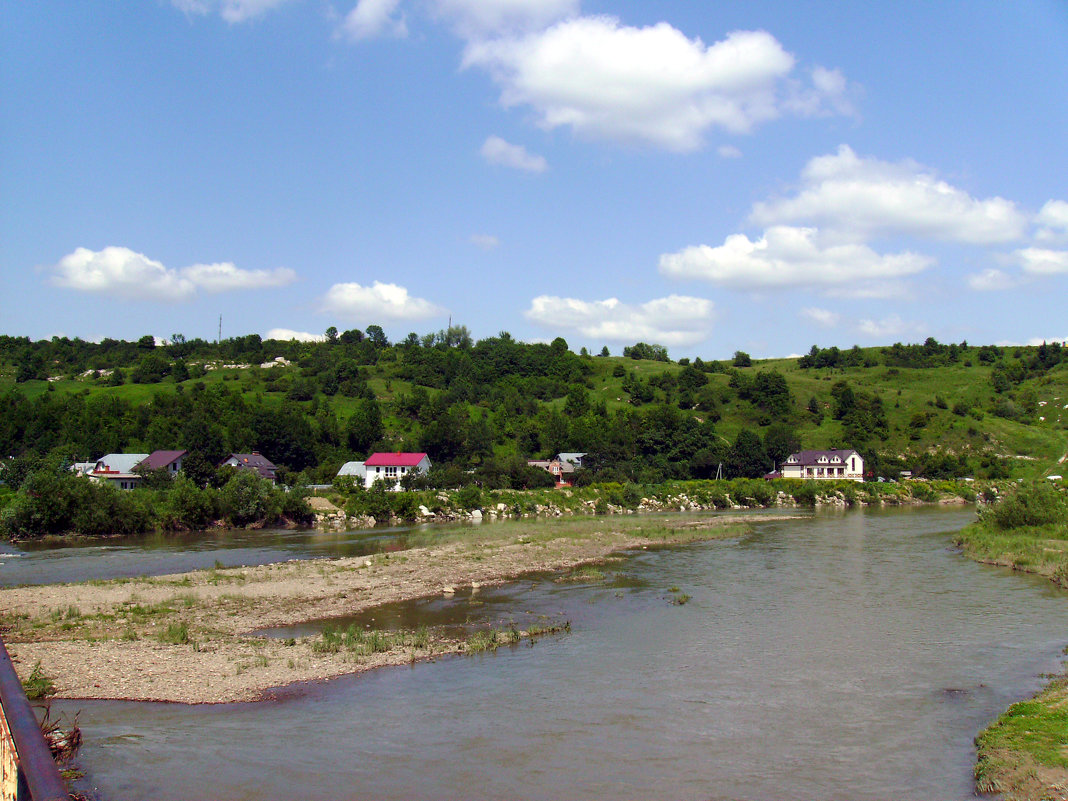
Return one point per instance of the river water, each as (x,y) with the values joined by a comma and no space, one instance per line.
(843,656)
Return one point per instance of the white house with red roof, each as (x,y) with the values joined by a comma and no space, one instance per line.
(842,465)
(392,467)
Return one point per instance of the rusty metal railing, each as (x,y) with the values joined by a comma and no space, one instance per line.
(27,770)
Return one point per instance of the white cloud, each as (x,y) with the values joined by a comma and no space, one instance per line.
(1040,261)
(1054,215)
(672,321)
(122,272)
(861,198)
(1052,220)
(372,18)
(485,241)
(225,277)
(497,151)
(828,93)
(477,19)
(821,317)
(285,335)
(788,257)
(378,302)
(650,85)
(1035,341)
(729,152)
(127,274)
(991,280)
(892,326)
(229,10)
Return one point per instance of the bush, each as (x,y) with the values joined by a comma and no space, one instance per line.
(1034,505)
(246,498)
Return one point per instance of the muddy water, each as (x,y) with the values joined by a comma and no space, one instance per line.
(849,656)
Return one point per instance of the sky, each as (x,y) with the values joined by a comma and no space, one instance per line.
(759,176)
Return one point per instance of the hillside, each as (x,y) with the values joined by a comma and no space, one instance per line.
(938,410)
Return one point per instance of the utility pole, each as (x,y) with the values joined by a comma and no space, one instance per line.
(217,341)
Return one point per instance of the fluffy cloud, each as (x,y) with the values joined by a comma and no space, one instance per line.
(477,19)
(378,302)
(651,85)
(285,335)
(892,326)
(729,152)
(485,241)
(497,151)
(1053,219)
(861,198)
(821,317)
(990,280)
(225,277)
(1041,261)
(788,257)
(125,273)
(670,321)
(372,18)
(229,10)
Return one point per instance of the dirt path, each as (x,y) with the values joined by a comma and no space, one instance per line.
(186,637)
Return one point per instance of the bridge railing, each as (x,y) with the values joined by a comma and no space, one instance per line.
(27,770)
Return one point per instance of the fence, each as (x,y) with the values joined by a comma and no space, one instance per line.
(27,770)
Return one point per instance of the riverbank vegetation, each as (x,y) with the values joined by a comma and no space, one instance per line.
(1022,754)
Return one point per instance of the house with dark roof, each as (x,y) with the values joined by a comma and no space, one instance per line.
(252,461)
(171,461)
(392,467)
(840,465)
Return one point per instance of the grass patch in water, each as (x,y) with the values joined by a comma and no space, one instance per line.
(37,685)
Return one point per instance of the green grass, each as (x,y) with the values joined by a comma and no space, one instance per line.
(1018,753)
(1030,736)
(37,685)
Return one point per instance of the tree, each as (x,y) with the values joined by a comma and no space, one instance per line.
(747,458)
(364,427)
(331,334)
(742,359)
(377,337)
(604,351)
(779,442)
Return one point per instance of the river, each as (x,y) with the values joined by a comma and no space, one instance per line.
(849,655)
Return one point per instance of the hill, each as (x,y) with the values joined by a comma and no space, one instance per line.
(938,410)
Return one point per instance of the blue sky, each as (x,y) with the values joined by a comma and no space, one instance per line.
(712,177)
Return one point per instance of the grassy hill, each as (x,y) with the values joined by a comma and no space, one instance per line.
(935,409)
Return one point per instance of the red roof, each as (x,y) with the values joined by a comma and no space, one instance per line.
(394,459)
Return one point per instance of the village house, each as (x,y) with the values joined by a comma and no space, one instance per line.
(560,466)
(252,461)
(171,461)
(117,469)
(846,465)
(358,471)
(392,467)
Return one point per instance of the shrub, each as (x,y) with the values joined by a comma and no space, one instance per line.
(1034,505)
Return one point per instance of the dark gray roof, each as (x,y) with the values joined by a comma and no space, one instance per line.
(814,457)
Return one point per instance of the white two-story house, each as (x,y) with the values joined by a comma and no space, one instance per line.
(843,465)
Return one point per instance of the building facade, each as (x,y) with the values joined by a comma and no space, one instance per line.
(840,465)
